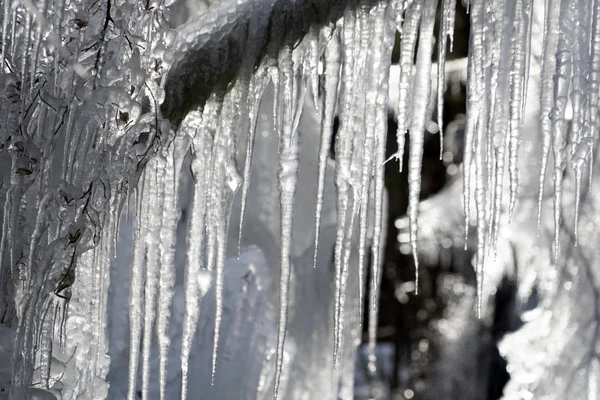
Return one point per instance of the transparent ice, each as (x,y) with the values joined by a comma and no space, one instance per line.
(197,155)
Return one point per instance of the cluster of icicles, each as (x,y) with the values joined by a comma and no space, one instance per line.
(107,148)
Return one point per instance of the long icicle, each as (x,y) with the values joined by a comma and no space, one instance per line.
(379,185)
(166,277)
(289,149)
(153,191)
(516,99)
(421,95)
(331,70)
(343,153)
(550,43)
(195,240)
(559,123)
(257,89)
(137,286)
(226,182)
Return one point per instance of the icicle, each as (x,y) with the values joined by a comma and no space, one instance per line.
(407,51)
(214,176)
(373,89)
(346,249)
(561,92)
(258,86)
(420,100)
(193,292)
(331,72)
(528,20)
(343,148)
(346,81)
(447,30)
(474,99)
(225,184)
(516,100)
(154,195)
(137,285)
(289,147)
(166,278)
(474,135)
(582,128)
(500,120)
(550,42)
(349,155)
(377,250)
(379,184)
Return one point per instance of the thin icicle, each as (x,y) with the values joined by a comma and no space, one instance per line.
(257,88)
(348,156)
(346,249)
(550,42)
(582,131)
(289,148)
(193,291)
(407,51)
(499,122)
(137,286)
(379,185)
(330,88)
(377,250)
(476,126)
(474,98)
(153,194)
(167,268)
(516,100)
(420,100)
(559,123)
(373,89)
(343,149)
(225,184)
(448,15)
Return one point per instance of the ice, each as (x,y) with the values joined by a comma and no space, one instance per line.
(331,64)
(170,217)
(408,44)
(194,265)
(258,85)
(561,90)
(288,177)
(448,12)
(135,300)
(107,107)
(421,89)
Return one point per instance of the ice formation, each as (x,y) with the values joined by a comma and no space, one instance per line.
(103,103)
